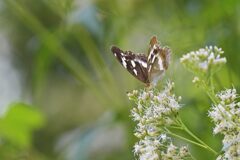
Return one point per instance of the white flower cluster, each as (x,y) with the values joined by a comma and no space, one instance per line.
(154,148)
(154,111)
(226,116)
(204,60)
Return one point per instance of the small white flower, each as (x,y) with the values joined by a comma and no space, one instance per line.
(204,60)
(227,96)
(147,148)
(172,150)
(184,151)
(226,115)
(195,79)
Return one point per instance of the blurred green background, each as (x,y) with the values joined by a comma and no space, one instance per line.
(55,62)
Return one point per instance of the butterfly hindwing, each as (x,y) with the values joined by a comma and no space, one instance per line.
(158,60)
(134,63)
(153,55)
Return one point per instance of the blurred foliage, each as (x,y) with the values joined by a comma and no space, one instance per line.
(62,49)
(16,128)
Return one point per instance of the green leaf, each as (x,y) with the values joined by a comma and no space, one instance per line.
(18,124)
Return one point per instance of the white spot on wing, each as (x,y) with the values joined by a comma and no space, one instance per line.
(149,69)
(160,63)
(135,71)
(149,56)
(124,63)
(115,54)
(144,64)
(133,63)
(153,58)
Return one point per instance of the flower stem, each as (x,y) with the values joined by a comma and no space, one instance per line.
(209,90)
(196,138)
(183,138)
(176,127)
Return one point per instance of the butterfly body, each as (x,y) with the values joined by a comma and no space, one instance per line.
(148,69)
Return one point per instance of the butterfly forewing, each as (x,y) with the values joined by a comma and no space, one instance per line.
(136,64)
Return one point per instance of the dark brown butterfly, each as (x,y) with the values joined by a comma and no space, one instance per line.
(148,69)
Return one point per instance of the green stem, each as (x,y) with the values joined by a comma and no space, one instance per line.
(176,127)
(196,138)
(212,85)
(183,138)
(209,90)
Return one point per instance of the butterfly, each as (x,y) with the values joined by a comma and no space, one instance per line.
(150,68)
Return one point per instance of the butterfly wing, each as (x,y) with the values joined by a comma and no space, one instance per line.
(134,63)
(158,60)
(152,53)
